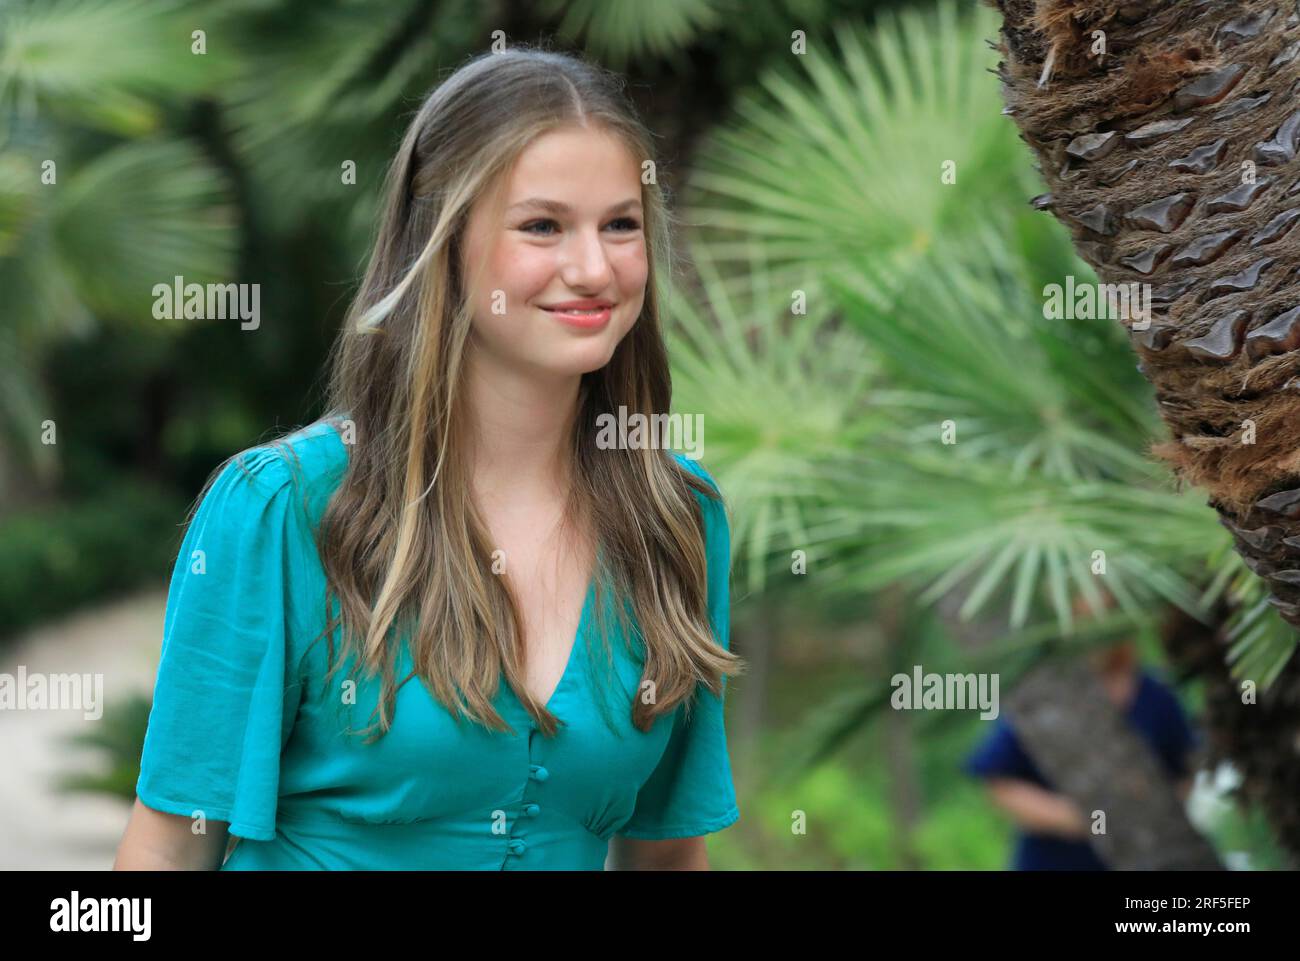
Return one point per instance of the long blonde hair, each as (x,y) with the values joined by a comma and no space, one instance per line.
(401,542)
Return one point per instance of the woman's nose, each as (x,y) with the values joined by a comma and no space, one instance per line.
(586,263)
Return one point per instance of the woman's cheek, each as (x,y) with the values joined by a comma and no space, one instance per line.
(528,280)
(631,268)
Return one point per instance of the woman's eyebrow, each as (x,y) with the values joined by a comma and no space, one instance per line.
(555,207)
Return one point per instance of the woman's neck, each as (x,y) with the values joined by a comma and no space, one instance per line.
(521,429)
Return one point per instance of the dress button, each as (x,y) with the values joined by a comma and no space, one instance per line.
(531,810)
(537,772)
(517,846)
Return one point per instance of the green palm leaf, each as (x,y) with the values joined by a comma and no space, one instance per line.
(836,167)
(1260,642)
(967,343)
(321,87)
(108,64)
(19,185)
(616,33)
(782,395)
(935,522)
(138,215)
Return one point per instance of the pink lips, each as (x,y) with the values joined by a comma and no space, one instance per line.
(589,320)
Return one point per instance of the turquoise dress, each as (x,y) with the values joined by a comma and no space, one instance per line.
(241,730)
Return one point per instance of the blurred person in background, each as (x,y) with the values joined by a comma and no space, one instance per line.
(1052,831)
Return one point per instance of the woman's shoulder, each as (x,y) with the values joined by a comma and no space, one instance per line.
(696,468)
(302,468)
(717,527)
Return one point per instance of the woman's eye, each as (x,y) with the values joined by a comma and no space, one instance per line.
(528,228)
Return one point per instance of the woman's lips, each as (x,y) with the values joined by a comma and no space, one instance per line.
(586,320)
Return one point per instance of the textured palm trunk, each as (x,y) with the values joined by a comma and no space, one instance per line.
(1168,132)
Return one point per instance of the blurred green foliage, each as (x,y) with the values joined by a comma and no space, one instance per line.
(56,558)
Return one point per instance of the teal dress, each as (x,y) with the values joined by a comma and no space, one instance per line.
(242,730)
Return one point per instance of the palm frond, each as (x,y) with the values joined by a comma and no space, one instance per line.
(966,343)
(139,215)
(935,522)
(108,64)
(325,87)
(782,396)
(1261,643)
(616,33)
(837,166)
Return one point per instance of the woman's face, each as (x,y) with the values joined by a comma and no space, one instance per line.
(587,245)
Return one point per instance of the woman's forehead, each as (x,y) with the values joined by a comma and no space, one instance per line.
(585,170)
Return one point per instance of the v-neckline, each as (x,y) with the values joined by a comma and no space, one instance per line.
(577,643)
(570,664)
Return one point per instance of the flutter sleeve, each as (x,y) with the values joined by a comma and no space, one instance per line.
(226,692)
(691,792)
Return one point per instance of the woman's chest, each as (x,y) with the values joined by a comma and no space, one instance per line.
(428,765)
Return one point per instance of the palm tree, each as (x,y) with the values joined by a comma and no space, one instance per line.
(1167,134)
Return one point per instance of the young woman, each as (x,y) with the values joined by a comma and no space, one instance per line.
(535,623)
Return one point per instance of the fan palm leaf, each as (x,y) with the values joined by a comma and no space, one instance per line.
(837,166)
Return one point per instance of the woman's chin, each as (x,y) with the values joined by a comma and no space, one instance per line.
(577,359)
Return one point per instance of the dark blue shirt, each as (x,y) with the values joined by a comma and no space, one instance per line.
(1154,714)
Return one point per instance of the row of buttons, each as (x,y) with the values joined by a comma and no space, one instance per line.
(536,772)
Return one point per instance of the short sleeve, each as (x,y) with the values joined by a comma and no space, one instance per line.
(691,791)
(1001,755)
(224,701)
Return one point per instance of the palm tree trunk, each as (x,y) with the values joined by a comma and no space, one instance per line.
(1167,132)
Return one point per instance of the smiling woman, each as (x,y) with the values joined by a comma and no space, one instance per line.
(563,605)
